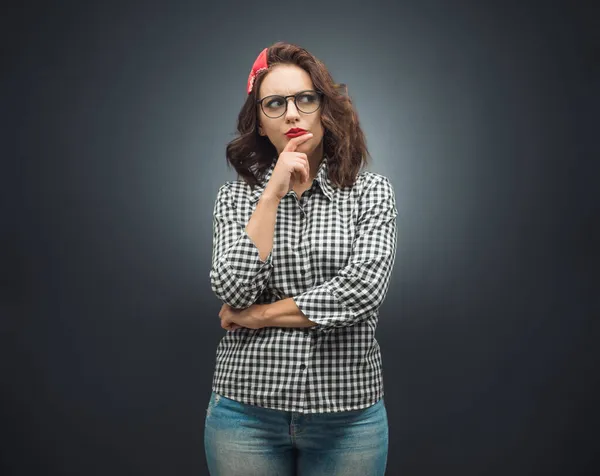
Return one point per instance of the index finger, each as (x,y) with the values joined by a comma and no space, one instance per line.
(296,141)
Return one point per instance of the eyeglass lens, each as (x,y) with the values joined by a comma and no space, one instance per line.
(306,101)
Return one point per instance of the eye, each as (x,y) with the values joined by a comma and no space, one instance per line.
(275,102)
(307,97)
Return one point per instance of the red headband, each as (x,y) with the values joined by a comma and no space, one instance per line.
(259,65)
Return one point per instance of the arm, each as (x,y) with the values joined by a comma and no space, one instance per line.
(360,287)
(242,256)
(283,313)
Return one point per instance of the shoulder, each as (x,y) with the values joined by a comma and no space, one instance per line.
(374,194)
(368,183)
(234,191)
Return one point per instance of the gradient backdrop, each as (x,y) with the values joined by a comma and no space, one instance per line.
(115,122)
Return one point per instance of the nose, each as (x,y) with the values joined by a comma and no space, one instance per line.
(292,111)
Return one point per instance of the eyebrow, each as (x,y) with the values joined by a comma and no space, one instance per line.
(281,94)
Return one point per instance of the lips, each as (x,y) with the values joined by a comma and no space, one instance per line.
(295,132)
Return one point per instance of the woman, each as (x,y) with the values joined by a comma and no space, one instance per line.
(304,246)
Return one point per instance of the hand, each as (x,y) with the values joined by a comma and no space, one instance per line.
(251,317)
(291,167)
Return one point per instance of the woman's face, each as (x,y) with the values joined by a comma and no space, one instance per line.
(286,79)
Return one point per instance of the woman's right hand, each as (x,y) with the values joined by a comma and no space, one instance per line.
(291,168)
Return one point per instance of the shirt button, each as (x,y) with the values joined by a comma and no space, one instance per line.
(302,366)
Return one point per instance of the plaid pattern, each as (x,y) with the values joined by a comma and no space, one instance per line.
(333,253)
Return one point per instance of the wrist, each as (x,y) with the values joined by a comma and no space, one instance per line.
(262,312)
(269,197)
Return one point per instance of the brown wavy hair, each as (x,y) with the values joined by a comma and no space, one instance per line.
(344,143)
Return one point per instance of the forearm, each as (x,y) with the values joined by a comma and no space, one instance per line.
(285,313)
(261,226)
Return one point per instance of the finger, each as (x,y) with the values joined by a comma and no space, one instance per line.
(298,176)
(301,170)
(233,327)
(296,141)
(305,166)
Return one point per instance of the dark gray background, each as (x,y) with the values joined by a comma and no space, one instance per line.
(115,121)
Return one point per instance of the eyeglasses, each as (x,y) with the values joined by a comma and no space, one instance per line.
(275,106)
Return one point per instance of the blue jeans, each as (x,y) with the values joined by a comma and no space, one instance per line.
(248,440)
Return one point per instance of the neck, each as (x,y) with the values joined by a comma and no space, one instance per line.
(314,160)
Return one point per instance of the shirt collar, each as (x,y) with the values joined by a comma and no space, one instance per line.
(321,178)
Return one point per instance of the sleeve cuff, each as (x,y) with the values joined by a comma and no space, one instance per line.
(317,303)
(243,258)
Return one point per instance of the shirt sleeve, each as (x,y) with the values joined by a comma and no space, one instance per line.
(237,275)
(360,287)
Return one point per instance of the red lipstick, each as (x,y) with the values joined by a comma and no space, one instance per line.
(295,132)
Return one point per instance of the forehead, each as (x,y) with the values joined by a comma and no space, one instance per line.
(285,79)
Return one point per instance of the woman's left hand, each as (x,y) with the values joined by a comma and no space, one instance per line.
(251,317)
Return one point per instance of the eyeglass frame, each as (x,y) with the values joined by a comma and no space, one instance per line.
(285,100)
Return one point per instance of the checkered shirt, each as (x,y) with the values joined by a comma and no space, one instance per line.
(333,253)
